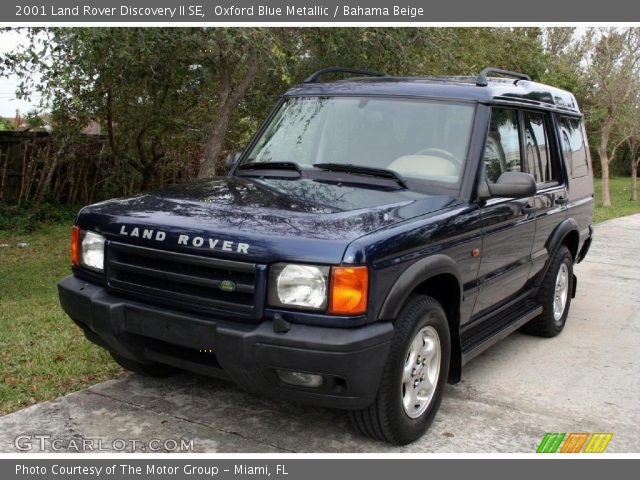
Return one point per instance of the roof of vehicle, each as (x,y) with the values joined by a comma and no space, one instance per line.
(497,90)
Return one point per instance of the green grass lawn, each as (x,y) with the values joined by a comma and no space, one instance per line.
(42,353)
(620,188)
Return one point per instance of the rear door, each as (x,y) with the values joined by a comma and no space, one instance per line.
(508,224)
(542,160)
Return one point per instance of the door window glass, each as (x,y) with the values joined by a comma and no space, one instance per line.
(502,152)
(538,158)
(574,148)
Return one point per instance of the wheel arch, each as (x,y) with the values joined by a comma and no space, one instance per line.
(566,233)
(438,277)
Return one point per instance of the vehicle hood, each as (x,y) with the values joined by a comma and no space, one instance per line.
(257,219)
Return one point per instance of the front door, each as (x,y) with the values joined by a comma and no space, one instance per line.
(508,224)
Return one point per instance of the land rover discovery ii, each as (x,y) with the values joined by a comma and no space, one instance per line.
(375,235)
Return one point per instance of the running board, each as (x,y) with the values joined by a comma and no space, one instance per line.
(492,336)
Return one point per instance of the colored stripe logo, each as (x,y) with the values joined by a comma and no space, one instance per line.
(574,442)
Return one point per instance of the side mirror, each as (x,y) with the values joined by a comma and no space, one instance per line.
(232,159)
(512,185)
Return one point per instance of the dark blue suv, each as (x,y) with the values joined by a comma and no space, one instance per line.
(376,234)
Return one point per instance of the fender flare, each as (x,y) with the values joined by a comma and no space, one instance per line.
(560,232)
(554,241)
(408,281)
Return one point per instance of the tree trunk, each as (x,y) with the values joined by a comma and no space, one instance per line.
(46,186)
(604,160)
(145,165)
(94,181)
(23,178)
(85,184)
(73,182)
(30,179)
(4,171)
(230,97)
(634,178)
(110,127)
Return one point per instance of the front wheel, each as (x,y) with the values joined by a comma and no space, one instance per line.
(414,375)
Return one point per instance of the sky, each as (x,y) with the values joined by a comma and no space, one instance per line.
(8,102)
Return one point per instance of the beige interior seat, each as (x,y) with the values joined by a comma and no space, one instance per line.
(425,166)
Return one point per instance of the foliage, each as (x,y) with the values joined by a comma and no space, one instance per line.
(172,102)
(33,217)
(620,203)
(612,66)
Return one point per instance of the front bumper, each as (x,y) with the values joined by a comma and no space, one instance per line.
(350,359)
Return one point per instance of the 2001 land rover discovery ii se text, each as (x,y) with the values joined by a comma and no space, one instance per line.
(376,234)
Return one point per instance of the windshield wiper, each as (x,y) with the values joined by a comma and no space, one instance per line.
(363,170)
(270,166)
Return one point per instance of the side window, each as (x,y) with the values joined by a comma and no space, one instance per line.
(536,140)
(574,147)
(502,153)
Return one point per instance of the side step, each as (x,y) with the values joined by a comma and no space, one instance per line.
(489,332)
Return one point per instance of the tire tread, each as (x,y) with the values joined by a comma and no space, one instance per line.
(544,324)
(374,421)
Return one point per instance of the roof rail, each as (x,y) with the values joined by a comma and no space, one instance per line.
(481,80)
(314,76)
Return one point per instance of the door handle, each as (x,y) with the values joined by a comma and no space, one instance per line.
(562,200)
(528,209)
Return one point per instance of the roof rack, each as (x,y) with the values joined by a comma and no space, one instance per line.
(481,80)
(323,71)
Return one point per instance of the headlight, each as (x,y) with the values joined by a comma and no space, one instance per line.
(298,286)
(341,290)
(87,249)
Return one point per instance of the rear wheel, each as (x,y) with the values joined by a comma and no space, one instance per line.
(146,369)
(414,376)
(554,296)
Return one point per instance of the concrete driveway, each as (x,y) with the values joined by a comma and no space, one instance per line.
(585,380)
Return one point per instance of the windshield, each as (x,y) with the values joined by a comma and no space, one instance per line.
(423,140)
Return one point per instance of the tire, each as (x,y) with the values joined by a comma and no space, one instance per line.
(147,369)
(422,321)
(552,321)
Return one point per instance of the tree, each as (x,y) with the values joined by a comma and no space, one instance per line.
(565,51)
(634,149)
(612,66)
(629,133)
(137,83)
(171,102)
(233,59)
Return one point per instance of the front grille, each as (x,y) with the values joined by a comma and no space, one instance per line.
(189,281)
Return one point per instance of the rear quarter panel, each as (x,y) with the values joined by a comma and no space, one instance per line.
(580,194)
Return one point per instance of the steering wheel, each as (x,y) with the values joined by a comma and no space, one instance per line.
(439,152)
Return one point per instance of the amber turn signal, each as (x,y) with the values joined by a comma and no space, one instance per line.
(349,287)
(75,238)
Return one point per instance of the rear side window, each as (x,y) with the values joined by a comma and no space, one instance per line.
(574,147)
(502,152)
(538,155)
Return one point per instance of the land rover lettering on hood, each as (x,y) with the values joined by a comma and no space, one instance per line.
(185,239)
